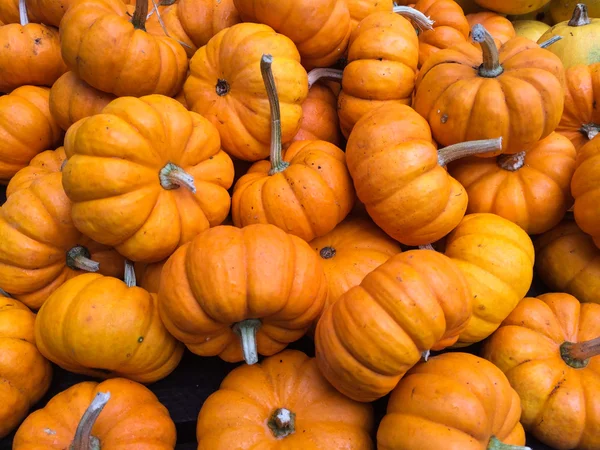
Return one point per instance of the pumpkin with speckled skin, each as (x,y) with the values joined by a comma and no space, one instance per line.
(585,187)
(359,9)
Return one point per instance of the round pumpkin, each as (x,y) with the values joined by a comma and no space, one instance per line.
(549,348)
(264,288)
(360,9)
(496,257)
(148,275)
(579,38)
(466,93)
(225,86)
(512,6)
(375,332)
(531,29)
(114,413)
(531,189)
(454,400)
(145,176)
(294,403)
(585,187)
(567,260)
(562,10)
(26,374)
(498,26)
(541,15)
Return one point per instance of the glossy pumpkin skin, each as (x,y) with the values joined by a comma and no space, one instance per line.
(460,105)
(375,332)
(496,256)
(262,273)
(395,143)
(498,26)
(512,6)
(26,374)
(585,187)
(133,417)
(531,29)
(148,275)
(567,260)
(535,196)
(114,162)
(382,61)
(359,9)
(98,43)
(559,401)
(250,395)
(454,400)
(71,330)
(26,128)
(319,28)
(72,99)
(225,74)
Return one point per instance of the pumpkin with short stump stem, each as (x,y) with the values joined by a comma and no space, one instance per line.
(89,415)
(549,348)
(585,187)
(562,10)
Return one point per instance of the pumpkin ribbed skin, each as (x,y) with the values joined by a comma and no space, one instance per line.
(498,26)
(585,187)
(359,9)
(148,275)
(26,374)
(376,331)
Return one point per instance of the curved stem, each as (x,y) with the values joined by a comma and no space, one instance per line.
(129,276)
(550,41)
(83,439)
(453,152)
(78,258)
(580,16)
(139,15)
(512,163)
(496,444)
(23,13)
(282,423)
(247,329)
(172,177)
(578,354)
(417,17)
(425,355)
(277,163)
(590,130)
(491,67)
(324,73)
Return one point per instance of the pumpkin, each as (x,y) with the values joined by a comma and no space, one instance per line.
(72,99)
(466,93)
(496,257)
(360,9)
(26,374)
(157,161)
(412,198)
(580,121)
(319,28)
(71,329)
(99,43)
(549,348)
(305,192)
(450,26)
(264,288)
(586,189)
(541,15)
(579,37)
(454,400)
(282,403)
(375,332)
(531,189)
(469,6)
(148,275)
(114,413)
(567,260)
(498,26)
(9,11)
(562,10)
(531,29)
(512,6)
(225,86)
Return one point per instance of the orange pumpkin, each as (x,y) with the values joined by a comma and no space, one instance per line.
(567,260)
(111,414)
(549,348)
(498,26)
(148,275)
(531,189)
(100,42)
(145,176)
(9,11)
(294,402)
(26,374)
(454,400)
(514,7)
(72,99)
(225,86)
(496,256)
(305,192)
(585,187)
(268,284)
(375,332)
(360,9)
(412,197)
(467,94)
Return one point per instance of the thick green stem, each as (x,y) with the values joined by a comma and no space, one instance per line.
(282,423)
(172,177)
(550,41)
(578,354)
(140,14)
(417,17)
(580,16)
(78,258)
(590,130)
(247,329)
(512,163)
(83,439)
(453,152)
(129,276)
(324,73)
(23,13)
(496,444)
(491,67)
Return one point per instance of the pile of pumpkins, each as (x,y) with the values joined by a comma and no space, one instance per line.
(231,175)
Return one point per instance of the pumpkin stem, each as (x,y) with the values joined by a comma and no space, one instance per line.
(417,17)
(590,130)
(23,13)
(496,444)
(172,177)
(327,252)
(512,163)
(247,329)
(277,162)
(580,16)
(550,41)
(491,67)
(78,258)
(425,355)
(324,73)
(426,247)
(139,15)
(453,152)
(129,276)
(83,439)
(282,423)
(578,354)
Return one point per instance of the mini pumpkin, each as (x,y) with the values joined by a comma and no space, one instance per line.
(585,188)
(359,9)
(148,275)
(531,29)
(549,348)
(498,26)
(562,10)
(512,6)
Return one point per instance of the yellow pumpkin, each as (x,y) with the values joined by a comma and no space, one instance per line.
(531,29)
